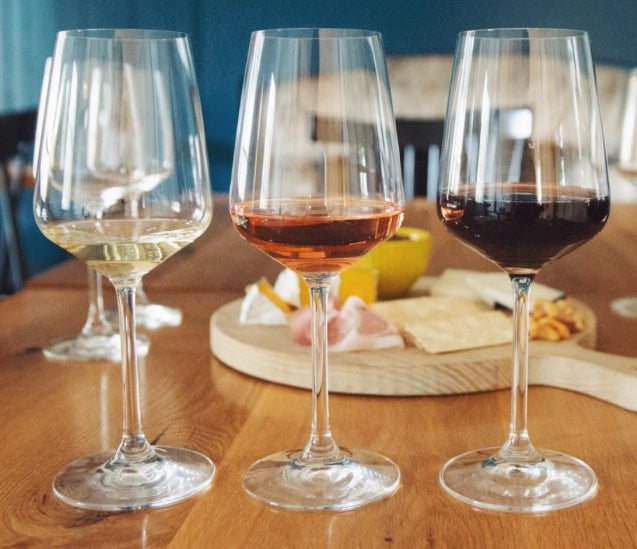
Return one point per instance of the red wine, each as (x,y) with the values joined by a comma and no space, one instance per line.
(311,237)
(518,229)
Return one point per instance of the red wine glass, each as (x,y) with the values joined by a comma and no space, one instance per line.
(316,183)
(523,181)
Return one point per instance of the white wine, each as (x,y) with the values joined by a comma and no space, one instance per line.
(123,249)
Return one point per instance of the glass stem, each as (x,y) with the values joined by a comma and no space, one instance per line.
(519,445)
(134,447)
(321,447)
(96,323)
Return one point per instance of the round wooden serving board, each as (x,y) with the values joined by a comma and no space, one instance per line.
(268,352)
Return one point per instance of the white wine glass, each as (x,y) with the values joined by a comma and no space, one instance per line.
(523,182)
(316,184)
(123,184)
(98,339)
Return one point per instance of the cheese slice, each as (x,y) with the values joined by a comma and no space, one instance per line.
(261,305)
(288,287)
(494,288)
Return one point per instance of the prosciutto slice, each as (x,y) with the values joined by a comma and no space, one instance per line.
(353,327)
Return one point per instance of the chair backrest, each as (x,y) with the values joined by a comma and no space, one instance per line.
(420,142)
(16,130)
(420,86)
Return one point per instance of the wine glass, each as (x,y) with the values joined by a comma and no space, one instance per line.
(148,314)
(626,168)
(123,184)
(523,181)
(316,184)
(153,315)
(97,340)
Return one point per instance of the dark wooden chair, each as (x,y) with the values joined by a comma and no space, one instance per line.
(420,142)
(16,134)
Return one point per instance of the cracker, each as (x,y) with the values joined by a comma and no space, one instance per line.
(417,309)
(459,333)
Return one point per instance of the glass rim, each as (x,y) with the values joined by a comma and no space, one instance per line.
(518,33)
(316,33)
(122,34)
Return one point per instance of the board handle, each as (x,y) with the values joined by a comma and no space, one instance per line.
(608,377)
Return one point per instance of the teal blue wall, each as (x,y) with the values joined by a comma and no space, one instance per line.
(220,32)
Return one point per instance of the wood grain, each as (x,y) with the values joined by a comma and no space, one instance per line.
(53,413)
(419,434)
(56,412)
(268,352)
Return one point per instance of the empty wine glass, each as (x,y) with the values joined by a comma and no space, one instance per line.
(97,340)
(153,315)
(123,184)
(148,314)
(315,185)
(523,181)
(626,168)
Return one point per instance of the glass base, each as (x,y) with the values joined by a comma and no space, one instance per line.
(97,483)
(626,306)
(151,316)
(556,482)
(361,477)
(92,347)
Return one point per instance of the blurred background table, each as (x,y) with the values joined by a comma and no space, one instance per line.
(53,413)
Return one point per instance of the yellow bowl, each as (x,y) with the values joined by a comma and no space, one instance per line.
(400,261)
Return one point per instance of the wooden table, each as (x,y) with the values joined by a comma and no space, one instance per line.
(53,413)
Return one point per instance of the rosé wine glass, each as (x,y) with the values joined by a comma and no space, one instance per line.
(316,184)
